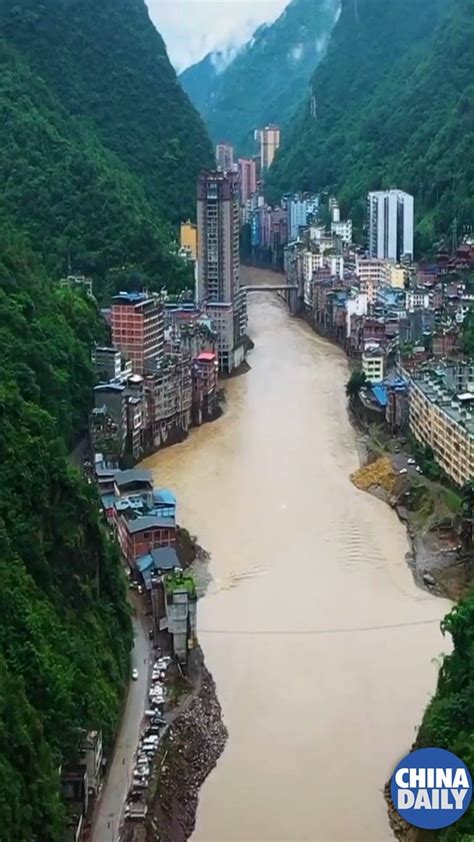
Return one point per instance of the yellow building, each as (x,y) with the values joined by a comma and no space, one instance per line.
(445,424)
(189,238)
(398,276)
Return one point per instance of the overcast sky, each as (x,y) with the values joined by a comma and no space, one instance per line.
(192,28)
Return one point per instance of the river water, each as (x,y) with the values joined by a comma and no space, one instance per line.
(323,650)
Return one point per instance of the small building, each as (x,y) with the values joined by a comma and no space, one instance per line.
(156,563)
(140,535)
(373,364)
(79,283)
(164,502)
(107,363)
(205,374)
(92,756)
(180,605)
(75,788)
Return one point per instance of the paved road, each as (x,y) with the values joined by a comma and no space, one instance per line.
(106,821)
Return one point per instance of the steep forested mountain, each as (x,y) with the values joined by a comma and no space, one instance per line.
(391,104)
(267,79)
(99,151)
(99,146)
(64,624)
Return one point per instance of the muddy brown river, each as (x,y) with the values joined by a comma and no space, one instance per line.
(323,650)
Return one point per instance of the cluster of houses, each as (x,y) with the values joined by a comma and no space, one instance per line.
(158,377)
(144,520)
(404,322)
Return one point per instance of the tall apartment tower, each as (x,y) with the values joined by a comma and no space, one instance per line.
(138,330)
(248,178)
(269,139)
(218,280)
(224,157)
(391,224)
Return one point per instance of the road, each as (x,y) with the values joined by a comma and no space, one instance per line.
(107,815)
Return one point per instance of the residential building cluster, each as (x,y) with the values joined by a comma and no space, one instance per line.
(402,321)
(159,377)
(144,520)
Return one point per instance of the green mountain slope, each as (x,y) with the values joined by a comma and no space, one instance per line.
(391,104)
(99,151)
(92,169)
(64,624)
(108,65)
(268,78)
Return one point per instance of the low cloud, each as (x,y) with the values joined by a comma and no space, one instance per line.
(193,28)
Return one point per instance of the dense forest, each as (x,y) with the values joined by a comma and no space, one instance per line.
(267,79)
(391,104)
(99,153)
(449,719)
(65,632)
(99,146)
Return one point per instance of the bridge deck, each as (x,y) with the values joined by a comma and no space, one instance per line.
(269,287)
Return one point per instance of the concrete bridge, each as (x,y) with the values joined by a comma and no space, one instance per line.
(290,293)
(269,287)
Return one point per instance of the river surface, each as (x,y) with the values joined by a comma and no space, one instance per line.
(323,650)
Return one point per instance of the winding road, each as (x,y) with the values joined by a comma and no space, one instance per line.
(106,820)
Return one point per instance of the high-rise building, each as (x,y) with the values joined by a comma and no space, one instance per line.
(391,224)
(138,329)
(224,157)
(269,139)
(248,178)
(218,280)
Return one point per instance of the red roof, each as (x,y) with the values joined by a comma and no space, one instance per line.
(206,357)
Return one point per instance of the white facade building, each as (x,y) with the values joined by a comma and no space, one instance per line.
(343,229)
(356,305)
(391,224)
(417,299)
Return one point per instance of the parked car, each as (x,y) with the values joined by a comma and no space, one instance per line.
(134,674)
(403,471)
(410,461)
(419,469)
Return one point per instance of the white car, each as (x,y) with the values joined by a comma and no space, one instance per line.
(403,471)
(134,674)
(410,461)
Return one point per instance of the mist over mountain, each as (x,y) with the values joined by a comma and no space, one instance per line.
(267,79)
(392,103)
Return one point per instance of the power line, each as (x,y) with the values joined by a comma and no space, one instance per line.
(312,632)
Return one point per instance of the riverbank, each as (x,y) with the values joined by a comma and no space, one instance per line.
(193,739)
(188,753)
(435,556)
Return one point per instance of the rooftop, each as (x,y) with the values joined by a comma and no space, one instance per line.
(206,357)
(149,522)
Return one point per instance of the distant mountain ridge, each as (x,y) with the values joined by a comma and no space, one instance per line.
(392,103)
(267,79)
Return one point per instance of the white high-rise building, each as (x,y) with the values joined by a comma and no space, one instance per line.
(391,224)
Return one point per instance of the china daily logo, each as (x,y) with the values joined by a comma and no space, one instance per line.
(431,788)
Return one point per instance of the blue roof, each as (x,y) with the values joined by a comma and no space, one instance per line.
(163,558)
(164,495)
(380,394)
(395,381)
(130,297)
